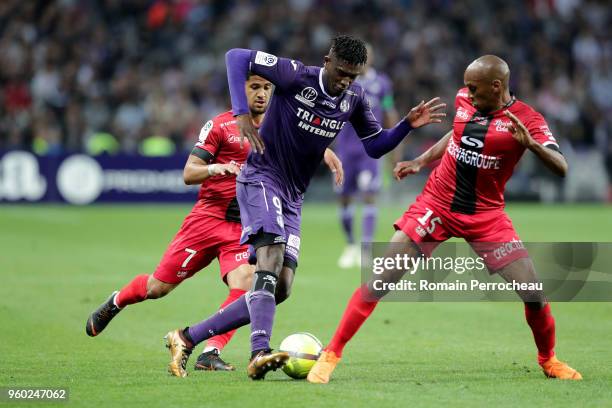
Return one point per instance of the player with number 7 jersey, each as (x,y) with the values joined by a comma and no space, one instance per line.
(211,230)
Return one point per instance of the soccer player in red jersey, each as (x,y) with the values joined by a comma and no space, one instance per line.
(211,230)
(464,198)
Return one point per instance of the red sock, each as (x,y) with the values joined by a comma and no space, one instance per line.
(356,312)
(133,292)
(542,325)
(219,341)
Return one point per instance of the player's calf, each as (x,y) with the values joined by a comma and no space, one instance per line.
(157,289)
(284,284)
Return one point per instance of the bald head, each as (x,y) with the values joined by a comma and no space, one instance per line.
(489,68)
(487,79)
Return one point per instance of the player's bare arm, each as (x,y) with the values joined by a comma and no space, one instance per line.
(335,165)
(197,170)
(551,158)
(435,152)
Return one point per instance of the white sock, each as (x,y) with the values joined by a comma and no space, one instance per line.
(210,348)
(115,300)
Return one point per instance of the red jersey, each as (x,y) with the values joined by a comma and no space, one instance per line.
(481,156)
(219,142)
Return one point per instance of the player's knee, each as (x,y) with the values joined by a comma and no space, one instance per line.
(270,258)
(241,277)
(246,281)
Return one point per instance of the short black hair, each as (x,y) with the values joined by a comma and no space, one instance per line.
(349,49)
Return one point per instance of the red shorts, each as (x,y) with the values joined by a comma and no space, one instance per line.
(490,233)
(201,239)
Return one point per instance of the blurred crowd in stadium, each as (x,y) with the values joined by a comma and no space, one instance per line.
(74,72)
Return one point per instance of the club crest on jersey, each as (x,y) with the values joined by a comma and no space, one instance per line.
(263,58)
(307,96)
(344,106)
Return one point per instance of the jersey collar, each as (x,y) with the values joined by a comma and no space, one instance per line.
(321,85)
(507,105)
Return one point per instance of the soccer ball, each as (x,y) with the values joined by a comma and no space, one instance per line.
(304,350)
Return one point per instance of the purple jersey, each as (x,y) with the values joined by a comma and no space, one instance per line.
(301,122)
(378,90)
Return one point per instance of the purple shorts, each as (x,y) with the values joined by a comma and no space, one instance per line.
(361,175)
(264,208)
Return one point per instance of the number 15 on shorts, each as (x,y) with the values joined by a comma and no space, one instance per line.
(429,225)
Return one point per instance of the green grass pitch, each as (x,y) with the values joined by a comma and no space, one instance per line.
(58,263)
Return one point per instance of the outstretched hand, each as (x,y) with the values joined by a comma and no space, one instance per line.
(425,113)
(249,131)
(405,168)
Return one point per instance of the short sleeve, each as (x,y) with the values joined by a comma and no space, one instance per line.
(282,72)
(363,120)
(209,141)
(540,132)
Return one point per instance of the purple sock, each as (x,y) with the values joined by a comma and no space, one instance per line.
(262,307)
(346,215)
(231,317)
(369,223)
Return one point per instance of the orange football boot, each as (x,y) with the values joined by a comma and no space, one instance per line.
(323,368)
(553,368)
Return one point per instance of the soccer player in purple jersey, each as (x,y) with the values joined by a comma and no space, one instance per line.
(362,172)
(310,106)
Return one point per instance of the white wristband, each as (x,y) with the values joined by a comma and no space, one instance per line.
(212,169)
